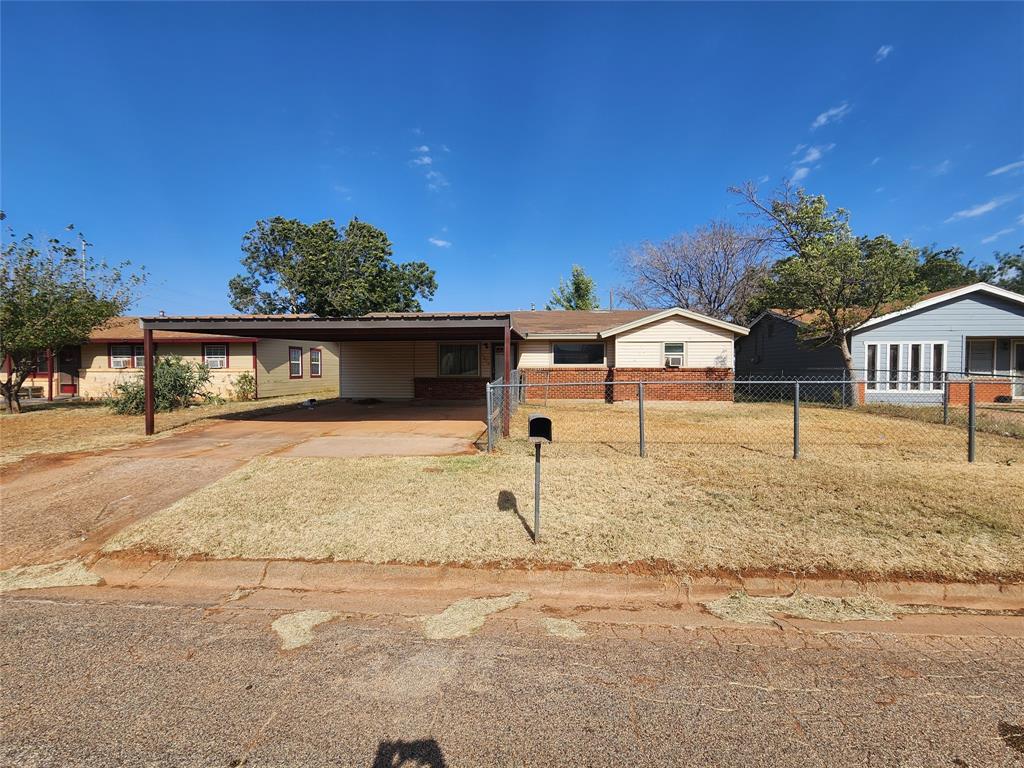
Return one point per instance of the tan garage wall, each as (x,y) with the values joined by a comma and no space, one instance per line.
(388,369)
(272,379)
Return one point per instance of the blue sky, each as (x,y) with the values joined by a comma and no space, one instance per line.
(502,142)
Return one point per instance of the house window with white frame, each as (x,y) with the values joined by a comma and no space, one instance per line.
(315,363)
(914,366)
(121,356)
(674,354)
(215,356)
(294,362)
(139,356)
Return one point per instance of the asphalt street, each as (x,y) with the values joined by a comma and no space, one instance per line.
(97,682)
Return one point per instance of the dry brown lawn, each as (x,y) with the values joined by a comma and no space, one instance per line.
(69,427)
(881,507)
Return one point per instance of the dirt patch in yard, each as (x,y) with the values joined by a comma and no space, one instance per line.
(742,512)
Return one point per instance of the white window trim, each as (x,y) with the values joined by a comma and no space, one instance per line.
(665,353)
(129,359)
(927,380)
(604,354)
(316,367)
(207,356)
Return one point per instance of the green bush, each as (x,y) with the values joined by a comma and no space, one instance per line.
(176,384)
(245,386)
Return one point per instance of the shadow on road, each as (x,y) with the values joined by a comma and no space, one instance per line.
(422,753)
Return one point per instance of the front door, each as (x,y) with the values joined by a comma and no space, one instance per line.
(498,359)
(1018,368)
(69,361)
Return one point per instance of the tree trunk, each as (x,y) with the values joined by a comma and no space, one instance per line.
(844,348)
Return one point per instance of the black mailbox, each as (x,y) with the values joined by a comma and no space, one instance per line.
(540,428)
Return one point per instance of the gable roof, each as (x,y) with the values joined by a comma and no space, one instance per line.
(674,312)
(938,297)
(560,321)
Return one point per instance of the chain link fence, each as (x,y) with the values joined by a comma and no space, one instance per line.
(948,417)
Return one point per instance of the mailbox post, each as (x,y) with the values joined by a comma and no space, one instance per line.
(540,433)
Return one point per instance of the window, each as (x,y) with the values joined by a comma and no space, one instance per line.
(121,355)
(294,362)
(674,354)
(41,363)
(216,355)
(582,353)
(981,355)
(138,356)
(458,360)
(915,366)
(315,369)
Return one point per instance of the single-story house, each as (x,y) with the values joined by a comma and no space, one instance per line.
(452,355)
(115,352)
(902,356)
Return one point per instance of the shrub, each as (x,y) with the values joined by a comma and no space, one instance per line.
(245,386)
(176,384)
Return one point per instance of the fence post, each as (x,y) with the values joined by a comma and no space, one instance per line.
(945,397)
(796,420)
(643,436)
(490,419)
(971,424)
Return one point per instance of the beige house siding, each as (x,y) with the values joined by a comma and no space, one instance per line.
(272,379)
(388,369)
(704,345)
(96,379)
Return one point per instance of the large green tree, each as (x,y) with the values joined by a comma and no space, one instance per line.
(294,267)
(580,293)
(53,296)
(941,269)
(838,279)
(1007,272)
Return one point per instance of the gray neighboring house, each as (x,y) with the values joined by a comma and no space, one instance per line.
(976,330)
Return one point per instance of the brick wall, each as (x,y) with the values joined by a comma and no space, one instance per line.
(674,389)
(984,391)
(449,388)
(599,383)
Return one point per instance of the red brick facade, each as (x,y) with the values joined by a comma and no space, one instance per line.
(984,391)
(450,388)
(606,383)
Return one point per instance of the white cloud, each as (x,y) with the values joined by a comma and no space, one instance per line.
(1009,167)
(800,173)
(764,179)
(883,53)
(833,115)
(880,189)
(436,241)
(421,149)
(422,160)
(436,180)
(980,209)
(1020,219)
(444,148)
(815,153)
(942,168)
(996,235)
(342,190)
(876,161)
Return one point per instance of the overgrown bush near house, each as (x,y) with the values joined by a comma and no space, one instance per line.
(176,384)
(244,387)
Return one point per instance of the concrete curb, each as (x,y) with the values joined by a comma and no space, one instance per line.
(136,571)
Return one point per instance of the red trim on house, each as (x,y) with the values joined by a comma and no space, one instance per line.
(290,363)
(255,373)
(320,362)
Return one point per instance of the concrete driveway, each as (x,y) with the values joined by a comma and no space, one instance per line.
(341,429)
(67,505)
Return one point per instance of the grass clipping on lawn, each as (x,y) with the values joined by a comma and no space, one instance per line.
(744,609)
(745,512)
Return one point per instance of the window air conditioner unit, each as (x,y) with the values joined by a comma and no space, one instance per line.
(117,363)
(214,363)
(674,361)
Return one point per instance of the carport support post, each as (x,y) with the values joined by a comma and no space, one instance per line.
(147,376)
(49,375)
(506,381)
(971,422)
(796,420)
